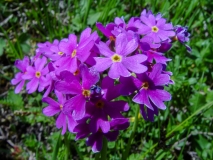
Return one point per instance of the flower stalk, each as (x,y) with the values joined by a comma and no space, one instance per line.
(126,152)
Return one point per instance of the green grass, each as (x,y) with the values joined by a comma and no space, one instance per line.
(189,114)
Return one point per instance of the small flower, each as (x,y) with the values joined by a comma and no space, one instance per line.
(64,118)
(18,80)
(36,75)
(155,27)
(102,107)
(150,88)
(117,61)
(182,35)
(81,91)
(74,52)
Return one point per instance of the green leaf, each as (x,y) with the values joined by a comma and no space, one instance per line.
(2,45)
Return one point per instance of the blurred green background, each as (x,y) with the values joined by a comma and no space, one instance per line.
(183,131)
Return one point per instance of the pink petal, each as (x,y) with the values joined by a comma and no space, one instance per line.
(117,69)
(68,88)
(19,86)
(50,111)
(99,63)
(142,98)
(133,63)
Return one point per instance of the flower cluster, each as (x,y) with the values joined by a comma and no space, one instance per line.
(81,78)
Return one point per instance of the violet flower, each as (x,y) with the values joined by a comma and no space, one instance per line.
(95,139)
(81,91)
(74,51)
(182,35)
(117,61)
(150,88)
(64,118)
(155,27)
(102,106)
(18,80)
(36,75)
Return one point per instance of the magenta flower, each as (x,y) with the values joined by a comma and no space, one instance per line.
(95,139)
(150,88)
(18,80)
(65,118)
(74,51)
(117,61)
(99,108)
(81,91)
(36,75)
(107,31)
(182,35)
(155,27)
(157,56)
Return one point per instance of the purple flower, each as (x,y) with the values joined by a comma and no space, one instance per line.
(36,75)
(117,61)
(99,108)
(64,118)
(155,27)
(182,35)
(95,139)
(81,91)
(165,46)
(150,88)
(74,51)
(18,80)
(107,30)
(157,56)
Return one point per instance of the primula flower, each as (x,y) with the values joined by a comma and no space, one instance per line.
(18,80)
(81,91)
(36,75)
(157,56)
(155,27)
(64,118)
(150,88)
(117,61)
(99,108)
(95,139)
(74,51)
(182,35)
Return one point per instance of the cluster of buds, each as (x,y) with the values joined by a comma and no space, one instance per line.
(81,79)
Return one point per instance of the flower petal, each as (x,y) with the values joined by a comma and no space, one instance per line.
(50,111)
(118,69)
(77,104)
(133,63)
(142,98)
(99,63)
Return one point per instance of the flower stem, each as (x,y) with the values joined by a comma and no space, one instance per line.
(104,149)
(126,152)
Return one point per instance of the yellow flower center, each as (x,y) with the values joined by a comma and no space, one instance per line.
(60,53)
(99,104)
(61,106)
(155,29)
(86,93)
(111,38)
(76,72)
(38,74)
(73,53)
(145,85)
(116,58)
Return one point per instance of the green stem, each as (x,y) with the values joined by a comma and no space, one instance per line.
(104,149)
(67,146)
(126,152)
(55,152)
(97,156)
